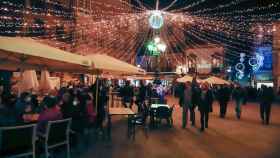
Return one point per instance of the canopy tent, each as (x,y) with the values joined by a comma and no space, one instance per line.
(106,64)
(45,83)
(141,77)
(26,53)
(216,80)
(187,78)
(28,81)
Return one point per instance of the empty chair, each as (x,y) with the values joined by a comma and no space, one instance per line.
(18,141)
(57,134)
(163,112)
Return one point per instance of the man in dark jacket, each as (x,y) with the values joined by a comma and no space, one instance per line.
(204,106)
(238,95)
(127,94)
(195,99)
(223,98)
(141,96)
(266,98)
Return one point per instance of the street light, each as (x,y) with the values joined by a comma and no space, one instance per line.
(161,47)
(156,40)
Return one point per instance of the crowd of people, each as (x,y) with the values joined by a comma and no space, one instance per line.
(75,102)
(86,105)
(193,94)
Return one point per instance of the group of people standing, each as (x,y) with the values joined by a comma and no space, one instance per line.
(193,96)
(203,95)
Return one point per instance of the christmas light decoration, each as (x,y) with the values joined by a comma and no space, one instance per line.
(104,27)
(156,19)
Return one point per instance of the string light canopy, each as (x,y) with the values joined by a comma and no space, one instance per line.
(120,28)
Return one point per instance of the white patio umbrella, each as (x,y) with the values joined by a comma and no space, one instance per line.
(186,78)
(216,80)
(45,83)
(106,64)
(109,65)
(29,81)
(26,53)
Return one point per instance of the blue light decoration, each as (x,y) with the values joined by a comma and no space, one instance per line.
(263,67)
(240,67)
(240,75)
(156,19)
(256,62)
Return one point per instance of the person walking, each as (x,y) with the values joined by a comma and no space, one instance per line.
(187,103)
(127,95)
(266,98)
(223,98)
(238,95)
(205,102)
(141,96)
(195,101)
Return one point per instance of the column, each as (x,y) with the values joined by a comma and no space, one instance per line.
(276,55)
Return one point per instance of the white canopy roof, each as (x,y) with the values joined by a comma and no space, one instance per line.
(107,64)
(187,78)
(26,53)
(216,80)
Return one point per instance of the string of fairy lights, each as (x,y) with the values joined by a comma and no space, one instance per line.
(120,28)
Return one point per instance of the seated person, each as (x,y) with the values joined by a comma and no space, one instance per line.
(7,112)
(22,104)
(50,113)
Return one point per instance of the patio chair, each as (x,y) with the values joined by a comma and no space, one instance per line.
(163,112)
(17,141)
(140,121)
(57,134)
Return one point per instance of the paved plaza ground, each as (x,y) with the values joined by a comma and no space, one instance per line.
(225,138)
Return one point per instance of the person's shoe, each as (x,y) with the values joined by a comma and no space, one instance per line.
(238,117)
(263,122)
(206,126)
(201,129)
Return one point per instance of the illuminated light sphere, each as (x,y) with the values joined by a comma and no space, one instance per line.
(161,47)
(156,40)
(156,19)
(240,67)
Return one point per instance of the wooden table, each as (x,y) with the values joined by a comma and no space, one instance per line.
(120,111)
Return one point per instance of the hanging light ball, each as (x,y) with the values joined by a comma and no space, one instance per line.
(161,47)
(156,19)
